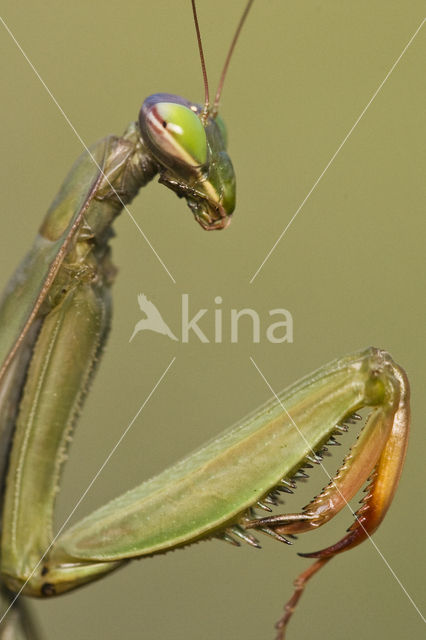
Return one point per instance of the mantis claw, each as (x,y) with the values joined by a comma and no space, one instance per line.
(377,457)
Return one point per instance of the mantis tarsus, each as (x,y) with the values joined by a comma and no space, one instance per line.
(369,378)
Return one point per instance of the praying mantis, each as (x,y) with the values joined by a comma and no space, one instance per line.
(188,551)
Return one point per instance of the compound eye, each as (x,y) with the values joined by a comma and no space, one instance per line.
(177,130)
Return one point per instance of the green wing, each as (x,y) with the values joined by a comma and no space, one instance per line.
(27,290)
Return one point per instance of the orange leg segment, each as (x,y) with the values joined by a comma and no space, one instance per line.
(378,455)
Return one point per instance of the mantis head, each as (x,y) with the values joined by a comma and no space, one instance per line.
(188,142)
(190,149)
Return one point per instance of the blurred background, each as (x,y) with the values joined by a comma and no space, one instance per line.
(351,270)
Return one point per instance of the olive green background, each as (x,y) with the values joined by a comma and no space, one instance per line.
(351,270)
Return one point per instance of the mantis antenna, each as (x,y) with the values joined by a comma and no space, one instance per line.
(228,58)
(203,65)
(215,109)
